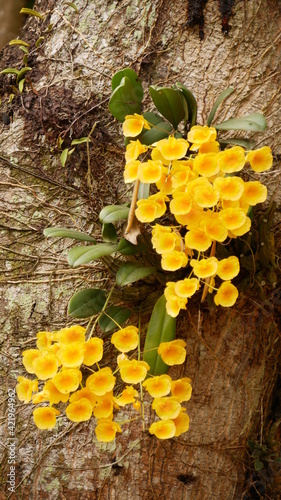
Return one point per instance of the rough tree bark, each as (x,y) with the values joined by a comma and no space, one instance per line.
(232,355)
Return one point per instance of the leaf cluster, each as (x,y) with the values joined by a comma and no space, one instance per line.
(177,106)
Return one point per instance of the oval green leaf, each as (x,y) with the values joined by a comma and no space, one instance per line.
(21,85)
(191,103)
(113,213)
(39,41)
(78,256)
(244,143)
(127,248)
(75,142)
(134,79)
(258,464)
(18,42)
(129,272)
(109,233)
(155,134)
(125,100)
(152,118)
(22,72)
(8,71)
(31,12)
(24,49)
(161,328)
(253,123)
(63,232)
(170,103)
(63,157)
(114,316)
(86,303)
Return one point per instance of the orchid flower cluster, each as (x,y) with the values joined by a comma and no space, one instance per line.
(209,201)
(57,363)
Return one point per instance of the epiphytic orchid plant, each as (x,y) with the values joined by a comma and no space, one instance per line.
(188,230)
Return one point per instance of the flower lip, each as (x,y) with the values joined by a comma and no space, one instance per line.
(126,339)
(45,417)
(133,125)
(228,268)
(75,333)
(45,366)
(226,295)
(25,388)
(173,352)
(166,407)
(93,351)
(164,429)
(106,430)
(260,159)
(67,380)
(181,389)
(158,386)
(133,371)
(232,159)
(72,355)
(204,268)
(101,382)
(172,148)
(79,411)
(182,423)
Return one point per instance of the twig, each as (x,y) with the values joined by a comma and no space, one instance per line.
(38,176)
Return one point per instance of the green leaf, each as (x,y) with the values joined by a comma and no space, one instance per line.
(70,4)
(191,103)
(109,233)
(24,49)
(134,79)
(155,134)
(258,464)
(86,303)
(125,100)
(254,123)
(22,72)
(129,272)
(251,444)
(79,141)
(256,453)
(244,143)
(161,328)
(118,314)
(31,12)
(63,157)
(223,95)
(113,213)
(64,232)
(127,248)
(39,41)
(78,256)
(170,103)
(18,42)
(21,85)
(152,118)
(8,71)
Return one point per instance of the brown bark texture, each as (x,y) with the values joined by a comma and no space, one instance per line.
(232,355)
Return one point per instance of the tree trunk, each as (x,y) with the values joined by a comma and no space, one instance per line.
(232,355)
